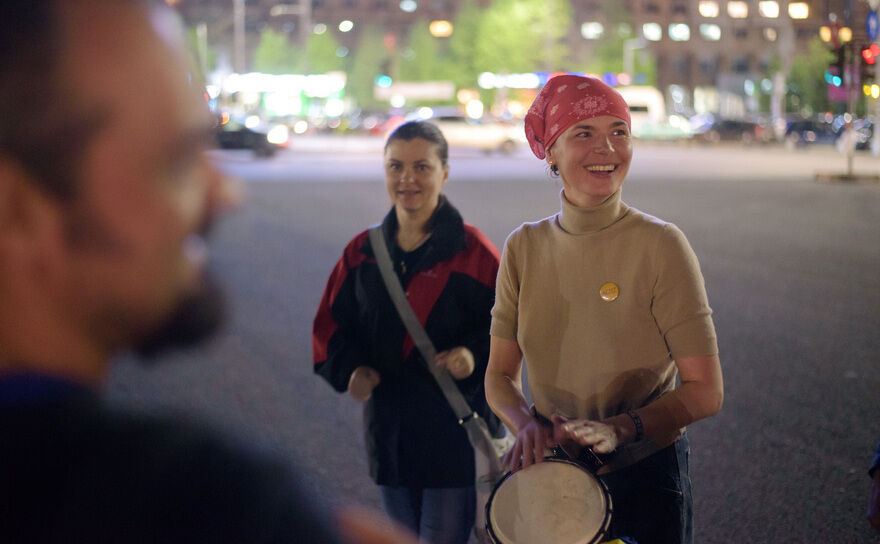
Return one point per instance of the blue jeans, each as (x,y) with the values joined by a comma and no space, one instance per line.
(652,501)
(438,516)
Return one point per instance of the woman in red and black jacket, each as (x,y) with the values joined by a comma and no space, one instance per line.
(418,453)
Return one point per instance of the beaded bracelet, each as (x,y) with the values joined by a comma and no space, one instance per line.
(637,421)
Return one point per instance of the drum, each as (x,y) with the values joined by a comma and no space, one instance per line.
(558,501)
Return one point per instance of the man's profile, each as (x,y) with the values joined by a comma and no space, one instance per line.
(106,198)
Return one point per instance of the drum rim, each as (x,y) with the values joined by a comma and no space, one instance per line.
(606,522)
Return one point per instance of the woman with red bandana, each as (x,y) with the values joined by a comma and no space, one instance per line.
(608,307)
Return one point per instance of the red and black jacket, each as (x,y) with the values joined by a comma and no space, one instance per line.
(413,437)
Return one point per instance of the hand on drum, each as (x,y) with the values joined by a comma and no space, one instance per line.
(599,437)
(531,441)
(362,382)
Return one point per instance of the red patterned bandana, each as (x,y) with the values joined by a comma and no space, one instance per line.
(565,100)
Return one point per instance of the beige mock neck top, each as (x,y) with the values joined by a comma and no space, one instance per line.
(592,357)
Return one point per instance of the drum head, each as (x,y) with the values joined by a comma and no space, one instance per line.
(556,501)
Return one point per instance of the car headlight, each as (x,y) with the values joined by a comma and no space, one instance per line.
(278,135)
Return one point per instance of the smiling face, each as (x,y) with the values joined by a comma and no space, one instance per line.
(593,157)
(414,176)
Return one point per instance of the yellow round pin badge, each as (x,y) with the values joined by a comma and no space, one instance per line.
(609,291)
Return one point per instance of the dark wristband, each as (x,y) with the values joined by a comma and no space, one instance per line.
(637,421)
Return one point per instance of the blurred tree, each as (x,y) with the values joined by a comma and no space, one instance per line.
(274,54)
(421,59)
(364,65)
(321,55)
(608,52)
(807,88)
(462,44)
(523,36)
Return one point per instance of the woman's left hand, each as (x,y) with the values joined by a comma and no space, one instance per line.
(459,362)
(598,436)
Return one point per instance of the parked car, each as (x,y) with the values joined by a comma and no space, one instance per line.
(714,130)
(461,131)
(235,135)
(809,132)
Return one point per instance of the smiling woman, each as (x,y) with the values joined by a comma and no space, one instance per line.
(419,455)
(607,307)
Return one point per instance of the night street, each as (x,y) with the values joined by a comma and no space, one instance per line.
(792,269)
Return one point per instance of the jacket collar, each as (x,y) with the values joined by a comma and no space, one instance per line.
(446,225)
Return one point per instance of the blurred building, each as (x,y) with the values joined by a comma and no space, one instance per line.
(710,55)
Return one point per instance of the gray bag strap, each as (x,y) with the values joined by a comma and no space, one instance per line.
(478,432)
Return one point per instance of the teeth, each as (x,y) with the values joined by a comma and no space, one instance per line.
(602,168)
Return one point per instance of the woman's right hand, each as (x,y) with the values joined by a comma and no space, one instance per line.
(362,382)
(532,440)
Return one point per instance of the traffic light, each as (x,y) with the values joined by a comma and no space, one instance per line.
(870,55)
(834,73)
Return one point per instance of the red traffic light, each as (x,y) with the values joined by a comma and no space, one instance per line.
(870,54)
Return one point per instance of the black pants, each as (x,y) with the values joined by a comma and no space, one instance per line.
(652,502)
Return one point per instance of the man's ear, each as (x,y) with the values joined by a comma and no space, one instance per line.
(27,213)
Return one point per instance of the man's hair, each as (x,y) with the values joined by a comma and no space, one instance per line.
(42,126)
(424,130)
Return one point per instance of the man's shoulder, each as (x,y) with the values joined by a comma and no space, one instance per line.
(163,474)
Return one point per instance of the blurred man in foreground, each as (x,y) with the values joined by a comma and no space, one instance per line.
(105,200)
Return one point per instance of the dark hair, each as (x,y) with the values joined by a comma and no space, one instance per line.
(424,130)
(41,124)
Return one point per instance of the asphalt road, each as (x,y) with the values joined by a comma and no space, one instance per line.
(793,274)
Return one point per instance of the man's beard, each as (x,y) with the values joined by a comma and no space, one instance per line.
(195,318)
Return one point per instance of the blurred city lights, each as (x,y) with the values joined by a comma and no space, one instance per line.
(398,101)
(425,112)
(738,9)
(346,26)
(466,95)
(769,9)
(652,32)
(770,34)
(624,79)
(383,81)
(320,28)
(711,32)
(845,34)
(278,135)
(409,6)
(825,33)
(440,29)
(474,109)
(300,127)
(334,107)
(708,8)
(252,121)
(592,30)
(798,10)
(679,32)
(341,51)
(609,78)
